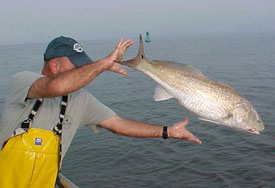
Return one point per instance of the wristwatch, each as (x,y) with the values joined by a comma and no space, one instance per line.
(164,132)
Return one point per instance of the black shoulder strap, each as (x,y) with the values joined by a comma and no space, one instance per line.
(28,121)
(58,128)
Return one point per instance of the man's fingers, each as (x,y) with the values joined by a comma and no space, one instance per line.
(117,55)
(185,122)
(179,131)
(120,70)
(127,44)
(123,72)
(192,138)
(120,42)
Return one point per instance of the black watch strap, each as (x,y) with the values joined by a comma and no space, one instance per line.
(164,132)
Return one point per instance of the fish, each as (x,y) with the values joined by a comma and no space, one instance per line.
(212,101)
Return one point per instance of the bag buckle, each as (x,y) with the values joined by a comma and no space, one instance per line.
(26,123)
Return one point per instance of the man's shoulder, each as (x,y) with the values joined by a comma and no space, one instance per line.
(23,79)
(83,95)
(24,74)
(80,92)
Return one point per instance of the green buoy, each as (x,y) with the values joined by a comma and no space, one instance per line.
(147,39)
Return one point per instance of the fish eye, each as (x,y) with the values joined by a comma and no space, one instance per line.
(142,56)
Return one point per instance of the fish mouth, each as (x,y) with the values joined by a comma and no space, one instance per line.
(253,131)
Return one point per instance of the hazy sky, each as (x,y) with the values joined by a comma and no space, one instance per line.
(26,21)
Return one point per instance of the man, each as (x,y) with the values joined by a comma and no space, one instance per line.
(37,119)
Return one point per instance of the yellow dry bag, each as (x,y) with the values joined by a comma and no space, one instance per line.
(32,159)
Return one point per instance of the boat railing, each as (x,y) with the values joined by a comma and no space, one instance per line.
(64,182)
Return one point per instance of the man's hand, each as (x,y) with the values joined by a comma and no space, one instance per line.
(117,55)
(179,131)
(139,129)
(121,47)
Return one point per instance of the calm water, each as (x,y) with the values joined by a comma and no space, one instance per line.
(226,158)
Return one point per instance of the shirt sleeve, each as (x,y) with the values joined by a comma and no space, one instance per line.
(95,112)
(19,87)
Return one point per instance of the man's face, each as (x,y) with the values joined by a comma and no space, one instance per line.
(57,65)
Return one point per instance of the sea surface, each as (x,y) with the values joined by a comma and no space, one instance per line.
(227,158)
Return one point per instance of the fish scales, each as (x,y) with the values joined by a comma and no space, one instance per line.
(200,95)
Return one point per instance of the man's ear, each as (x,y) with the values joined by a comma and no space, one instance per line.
(54,66)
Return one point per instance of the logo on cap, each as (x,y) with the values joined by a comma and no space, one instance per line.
(78,48)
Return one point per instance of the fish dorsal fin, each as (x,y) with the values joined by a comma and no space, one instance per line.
(161,95)
(184,67)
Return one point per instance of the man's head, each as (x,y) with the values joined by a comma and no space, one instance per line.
(63,54)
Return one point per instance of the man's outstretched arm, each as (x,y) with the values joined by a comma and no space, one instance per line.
(70,81)
(138,129)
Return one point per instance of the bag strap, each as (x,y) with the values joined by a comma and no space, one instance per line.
(58,128)
(26,124)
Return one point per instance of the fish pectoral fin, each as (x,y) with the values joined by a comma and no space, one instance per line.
(209,120)
(161,95)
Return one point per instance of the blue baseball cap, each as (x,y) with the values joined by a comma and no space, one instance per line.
(67,47)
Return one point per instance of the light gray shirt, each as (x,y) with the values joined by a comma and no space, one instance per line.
(82,109)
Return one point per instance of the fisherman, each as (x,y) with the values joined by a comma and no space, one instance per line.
(43,112)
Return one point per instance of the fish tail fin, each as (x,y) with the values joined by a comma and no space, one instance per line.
(133,63)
